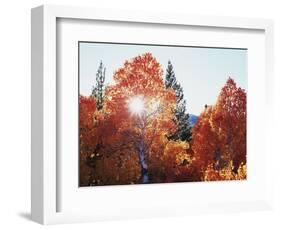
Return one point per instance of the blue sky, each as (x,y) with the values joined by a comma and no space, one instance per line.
(202,72)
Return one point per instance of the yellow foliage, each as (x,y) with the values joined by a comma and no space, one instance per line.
(225,173)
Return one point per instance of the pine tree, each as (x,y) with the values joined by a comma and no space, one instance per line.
(98,89)
(183,132)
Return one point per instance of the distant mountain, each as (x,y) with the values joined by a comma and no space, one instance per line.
(192,119)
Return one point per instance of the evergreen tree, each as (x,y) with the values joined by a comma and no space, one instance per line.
(98,89)
(183,132)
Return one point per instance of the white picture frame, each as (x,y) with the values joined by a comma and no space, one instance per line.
(44,172)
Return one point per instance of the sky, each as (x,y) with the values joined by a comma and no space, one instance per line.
(201,71)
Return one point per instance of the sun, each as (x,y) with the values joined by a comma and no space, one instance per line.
(136,105)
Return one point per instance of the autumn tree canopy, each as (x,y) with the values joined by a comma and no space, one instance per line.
(125,138)
(141,81)
(219,137)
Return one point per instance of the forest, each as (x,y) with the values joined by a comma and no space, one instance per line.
(136,130)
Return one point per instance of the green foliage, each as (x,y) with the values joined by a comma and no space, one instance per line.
(119,145)
(98,89)
(183,132)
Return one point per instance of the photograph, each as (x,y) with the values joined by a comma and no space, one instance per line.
(157,113)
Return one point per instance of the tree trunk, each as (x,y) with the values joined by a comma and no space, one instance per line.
(144,170)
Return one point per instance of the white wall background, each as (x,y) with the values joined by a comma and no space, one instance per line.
(15,112)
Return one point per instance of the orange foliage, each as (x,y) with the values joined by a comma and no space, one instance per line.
(122,146)
(226,173)
(229,122)
(148,131)
(205,140)
(87,135)
(219,137)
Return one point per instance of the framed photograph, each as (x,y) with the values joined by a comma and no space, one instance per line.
(139,115)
